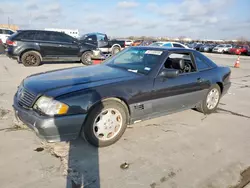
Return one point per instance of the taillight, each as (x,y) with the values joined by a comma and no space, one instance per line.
(1,41)
(11,43)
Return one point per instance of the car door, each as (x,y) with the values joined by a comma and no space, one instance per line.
(91,39)
(68,46)
(102,42)
(181,92)
(49,48)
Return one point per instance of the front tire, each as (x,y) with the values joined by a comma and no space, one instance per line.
(105,124)
(31,58)
(86,58)
(211,100)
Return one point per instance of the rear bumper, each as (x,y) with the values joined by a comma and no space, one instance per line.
(51,129)
(10,53)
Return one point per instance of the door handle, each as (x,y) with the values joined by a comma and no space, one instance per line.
(200,80)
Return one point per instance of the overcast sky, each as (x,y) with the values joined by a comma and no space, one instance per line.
(206,19)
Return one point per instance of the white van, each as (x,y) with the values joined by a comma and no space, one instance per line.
(73,33)
(5,33)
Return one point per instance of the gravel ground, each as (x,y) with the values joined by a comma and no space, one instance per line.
(182,150)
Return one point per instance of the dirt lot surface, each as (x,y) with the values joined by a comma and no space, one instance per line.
(182,150)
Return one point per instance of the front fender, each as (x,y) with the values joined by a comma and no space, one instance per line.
(82,101)
(87,47)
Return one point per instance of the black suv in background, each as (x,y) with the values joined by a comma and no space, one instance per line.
(30,47)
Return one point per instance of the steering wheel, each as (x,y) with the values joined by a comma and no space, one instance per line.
(187,68)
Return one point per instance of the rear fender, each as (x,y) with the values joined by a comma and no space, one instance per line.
(27,50)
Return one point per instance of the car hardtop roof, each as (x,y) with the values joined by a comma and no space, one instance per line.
(40,30)
(165,49)
(95,33)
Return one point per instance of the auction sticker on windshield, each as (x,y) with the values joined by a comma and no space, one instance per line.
(153,52)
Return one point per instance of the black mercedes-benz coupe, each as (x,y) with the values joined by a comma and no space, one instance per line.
(99,101)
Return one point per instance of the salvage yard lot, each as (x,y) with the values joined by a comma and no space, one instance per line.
(186,149)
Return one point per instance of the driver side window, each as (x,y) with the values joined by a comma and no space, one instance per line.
(180,61)
(100,37)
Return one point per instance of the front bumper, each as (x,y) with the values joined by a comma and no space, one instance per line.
(51,129)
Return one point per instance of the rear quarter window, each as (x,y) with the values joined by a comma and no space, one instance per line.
(25,35)
(168,45)
(203,62)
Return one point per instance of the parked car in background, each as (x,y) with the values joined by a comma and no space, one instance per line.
(222,48)
(5,33)
(201,48)
(248,51)
(101,41)
(239,49)
(137,42)
(31,47)
(197,46)
(191,45)
(169,44)
(146,42)
(128,42)
(98,102)
(205,48)
(1,47)
(210,47)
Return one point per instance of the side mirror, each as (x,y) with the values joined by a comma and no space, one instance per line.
(169,73)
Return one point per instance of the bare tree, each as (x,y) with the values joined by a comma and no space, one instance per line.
(242,40)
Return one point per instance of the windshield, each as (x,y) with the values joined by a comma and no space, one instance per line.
(136,60)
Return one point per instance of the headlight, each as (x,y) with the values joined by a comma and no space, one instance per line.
(50,106)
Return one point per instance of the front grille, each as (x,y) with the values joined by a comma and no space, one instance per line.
(26,98)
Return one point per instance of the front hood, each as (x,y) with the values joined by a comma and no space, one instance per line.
(55,83)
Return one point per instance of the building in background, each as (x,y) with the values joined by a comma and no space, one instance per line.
(73,33)
(9,26)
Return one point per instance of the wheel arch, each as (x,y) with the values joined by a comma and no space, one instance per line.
(87,50)
(117,99)
(30,50)
(116,45)
(220,84)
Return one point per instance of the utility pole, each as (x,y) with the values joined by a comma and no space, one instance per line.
(8,21)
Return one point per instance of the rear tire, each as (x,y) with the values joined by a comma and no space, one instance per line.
(105,131)
(86,58)
(207,106)
(31,58)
